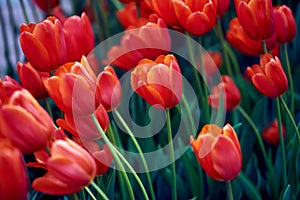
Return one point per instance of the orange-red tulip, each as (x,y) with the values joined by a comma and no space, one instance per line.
(159,82)
(14,182)
(32,80)
(25,123)
(44,44)
(70,168)
(197,17)
(109,91)
(271,134)
(46,5)
(256,18)
(268,77)
(218,152)
(73,88)
(237,37)
(285,24)
(228,90)
(79,37)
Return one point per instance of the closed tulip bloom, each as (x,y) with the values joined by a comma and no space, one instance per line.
(285,24)
(32,80)
(2,93)
(43,44)
(25,123)
(268,77)
(159,82)
(271,134)
(256,18)
(218,152)
(109,91)
(73,88)
(10,85)
(222,6)
(70,168)
(79,37)
(197,17)
(237,37)
(14,182)
(228,91)
(46,5)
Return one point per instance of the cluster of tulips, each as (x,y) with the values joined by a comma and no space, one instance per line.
(61,109)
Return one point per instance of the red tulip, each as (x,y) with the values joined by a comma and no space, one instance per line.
(129,1)
(159,82)
(285,24)
(256,18)
(44,44)
(109,91)
(32,80)
(212,61)
(271,134)
(2,93)
(25,123)
(228,90)
(237,37)
(222,6)
(218,152)
(59,13)
(46,5)
(79,37)
(73,88)
(197,17)
(268,77)
(14,181)
(10,85)
(70,168)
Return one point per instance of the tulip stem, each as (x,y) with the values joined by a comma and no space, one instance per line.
(137,146)
(282,146)
(288,67)
(261,144)
(264,44)
(229,190)
(48,108)
(113,152)
(98,189)
(291,117)
(90,193)
(172,156)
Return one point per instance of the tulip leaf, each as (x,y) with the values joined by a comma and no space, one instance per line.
(286,193)
(110,183)
(248,187)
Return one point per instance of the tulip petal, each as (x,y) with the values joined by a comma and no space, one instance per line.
(265,85)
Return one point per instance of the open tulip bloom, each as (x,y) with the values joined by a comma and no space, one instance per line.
(149,99)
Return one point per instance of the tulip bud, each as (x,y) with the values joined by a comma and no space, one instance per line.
(271,134)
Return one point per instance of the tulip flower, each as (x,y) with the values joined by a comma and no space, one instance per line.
(256,18)
(285,24)
(46,5)
(59,13)
(70,168)
(228,91)
(73,88)
(25,123)
(109,91)
(222,6)
(218,152)
(43,44)
(159,82)
(129,1)
(32,80)
(14,181)
(79,37)
(237,37)
(142,42)
(83,126)
(2,93)
(212,61)
(10,85)
(271,134)
(268,77)
(197,17)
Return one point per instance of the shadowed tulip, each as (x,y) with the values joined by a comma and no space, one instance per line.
(271,134)
(218,152)
(2,93)
(222,6)
(14,182)
(268,77)
(10,85)
(159,82)
(43,44)
(32,80)
(46,5)
(25,123)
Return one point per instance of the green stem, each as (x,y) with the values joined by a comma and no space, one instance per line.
(190,116)
(291,117)
(222,40)
(48,108)
(264,44)
(137,146)
(172,156)
(229,190)
(262,147)
(282,146)
(90,193)
(99,29)
(290,78)
(98,189)
(115,155)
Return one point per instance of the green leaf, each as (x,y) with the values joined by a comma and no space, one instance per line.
(286,194)
(248,187)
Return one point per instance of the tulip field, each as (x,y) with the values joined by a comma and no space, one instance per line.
(149,99)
